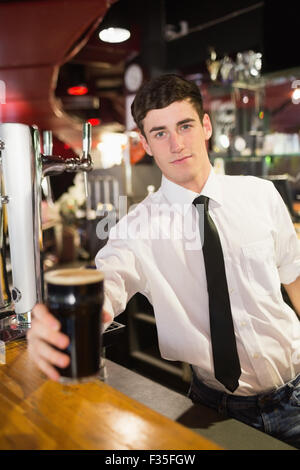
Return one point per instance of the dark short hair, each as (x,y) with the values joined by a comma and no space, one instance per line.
(162,91)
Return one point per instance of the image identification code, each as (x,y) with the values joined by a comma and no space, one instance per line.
(151,459)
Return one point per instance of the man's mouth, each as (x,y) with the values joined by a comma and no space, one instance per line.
(181,160)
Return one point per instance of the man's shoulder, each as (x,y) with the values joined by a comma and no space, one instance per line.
(245,182)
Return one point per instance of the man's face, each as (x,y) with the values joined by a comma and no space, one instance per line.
(175,137)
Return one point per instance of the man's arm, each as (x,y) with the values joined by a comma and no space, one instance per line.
(293,291)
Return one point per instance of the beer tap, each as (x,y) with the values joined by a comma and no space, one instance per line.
(53,165)
(23,167)
(86,157)
(47,150)
(5,295)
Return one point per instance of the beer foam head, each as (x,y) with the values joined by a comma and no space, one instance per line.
(73,277)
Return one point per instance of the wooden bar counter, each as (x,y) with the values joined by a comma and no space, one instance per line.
(39,414)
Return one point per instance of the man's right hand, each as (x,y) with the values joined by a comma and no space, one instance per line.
(44,336)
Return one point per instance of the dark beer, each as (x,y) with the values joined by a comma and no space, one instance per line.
(75,298)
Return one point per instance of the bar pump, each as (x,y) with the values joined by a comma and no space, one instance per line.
(23,167)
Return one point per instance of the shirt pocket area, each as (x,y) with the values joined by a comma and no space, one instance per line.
(259,261)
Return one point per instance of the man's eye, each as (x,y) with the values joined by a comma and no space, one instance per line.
(185,127)
(160,134)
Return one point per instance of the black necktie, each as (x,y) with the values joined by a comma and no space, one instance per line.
(226,360)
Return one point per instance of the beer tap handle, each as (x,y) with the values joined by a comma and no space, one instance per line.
(47,150)
(86,186)
(86,164)
(86,140)
(47,142)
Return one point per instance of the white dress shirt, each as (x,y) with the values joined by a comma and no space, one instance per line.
(155,250)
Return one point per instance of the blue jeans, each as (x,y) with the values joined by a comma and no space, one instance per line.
(276,413)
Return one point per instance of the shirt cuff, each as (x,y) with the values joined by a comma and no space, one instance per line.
(107,306)
(289,273)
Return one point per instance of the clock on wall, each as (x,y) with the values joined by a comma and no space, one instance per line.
(133,77)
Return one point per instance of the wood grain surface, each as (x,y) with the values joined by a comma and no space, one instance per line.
(39,414)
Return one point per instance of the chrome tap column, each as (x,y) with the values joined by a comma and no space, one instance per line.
(23,168)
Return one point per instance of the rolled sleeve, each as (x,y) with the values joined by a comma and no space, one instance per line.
(107,306)
(289,273)
(287,242)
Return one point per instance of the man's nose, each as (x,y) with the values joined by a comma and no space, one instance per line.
(176,143)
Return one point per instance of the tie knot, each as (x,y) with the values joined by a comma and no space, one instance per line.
(201,200)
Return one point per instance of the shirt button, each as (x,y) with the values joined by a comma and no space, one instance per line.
(256,355)
(243,323)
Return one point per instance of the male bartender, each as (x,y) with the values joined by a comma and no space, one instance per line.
(218,302)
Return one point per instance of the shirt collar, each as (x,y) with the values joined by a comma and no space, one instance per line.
(178,195)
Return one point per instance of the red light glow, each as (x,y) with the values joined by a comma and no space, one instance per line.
(94,121)
(78,90)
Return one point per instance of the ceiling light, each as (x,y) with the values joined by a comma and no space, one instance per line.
(114,35)
(115,27)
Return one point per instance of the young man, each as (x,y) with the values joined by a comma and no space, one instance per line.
(155,250)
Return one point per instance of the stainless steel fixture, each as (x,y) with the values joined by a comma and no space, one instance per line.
(23,166)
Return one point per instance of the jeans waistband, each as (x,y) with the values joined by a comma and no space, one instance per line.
(216,396)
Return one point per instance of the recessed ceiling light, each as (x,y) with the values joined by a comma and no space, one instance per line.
(114,35)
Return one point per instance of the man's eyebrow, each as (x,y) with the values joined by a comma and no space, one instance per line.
(185,121)
(159,128)
(179,123)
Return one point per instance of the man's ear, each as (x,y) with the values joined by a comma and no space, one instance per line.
(207,126)
(145,145)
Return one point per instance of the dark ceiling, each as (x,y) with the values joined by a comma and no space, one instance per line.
(101,66)
(48,45)
(229,27)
